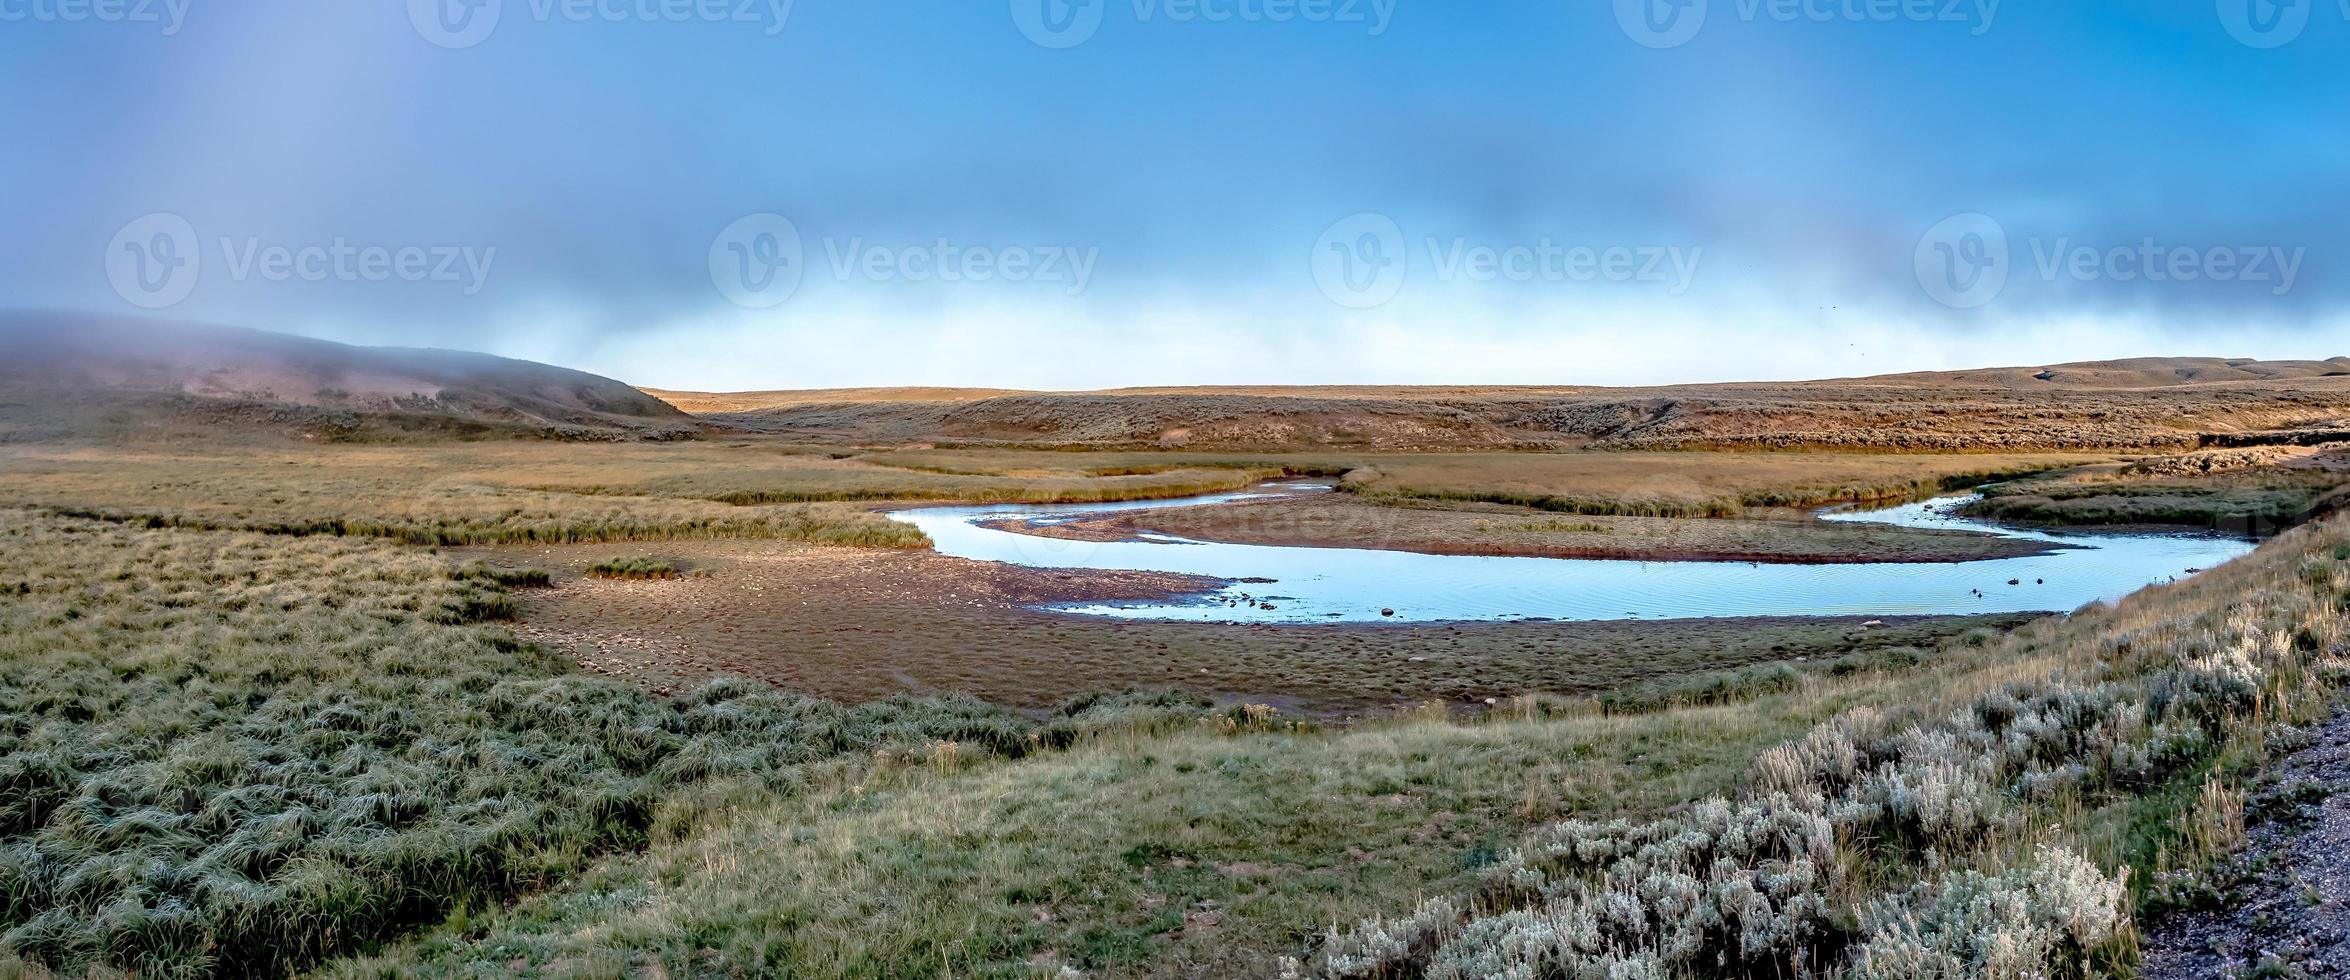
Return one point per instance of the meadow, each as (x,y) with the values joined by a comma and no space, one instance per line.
(276,709)
(534,492)
(538,492)
(2141,405)
(2002,805)
(1685,484)
(233,754)
(2247,492)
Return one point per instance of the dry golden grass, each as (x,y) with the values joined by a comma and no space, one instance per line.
(2240,491)
(413,494)
(532,491)
(2122,405)
(529,491)
(1707,484)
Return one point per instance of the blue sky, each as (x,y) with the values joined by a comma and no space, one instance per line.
(1195,191)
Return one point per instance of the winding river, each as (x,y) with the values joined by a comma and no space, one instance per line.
(1347,585)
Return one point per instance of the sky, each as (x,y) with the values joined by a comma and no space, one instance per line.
(740,194)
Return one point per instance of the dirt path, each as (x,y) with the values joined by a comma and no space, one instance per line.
(2290,915)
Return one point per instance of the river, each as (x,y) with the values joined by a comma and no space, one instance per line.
(1351,585)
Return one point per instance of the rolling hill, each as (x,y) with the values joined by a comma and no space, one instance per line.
(2143,403)
(68,375)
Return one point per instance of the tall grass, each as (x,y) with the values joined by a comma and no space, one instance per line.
(2247,500)
(231,754)
(633,568)
(1698,485)
(834,527)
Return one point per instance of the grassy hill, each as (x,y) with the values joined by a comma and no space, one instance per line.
(2137,404)
(76,375)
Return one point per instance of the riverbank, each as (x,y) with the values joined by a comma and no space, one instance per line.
(2248,491)
(1424,527)
(857,625)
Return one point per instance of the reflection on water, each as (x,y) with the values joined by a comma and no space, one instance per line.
(1347,585)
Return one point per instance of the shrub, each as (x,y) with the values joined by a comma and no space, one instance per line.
(2026,923)
(2141,703)
(1721,887)
(229,754)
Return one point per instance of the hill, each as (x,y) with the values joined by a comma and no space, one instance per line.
(72,375)
(2143,403)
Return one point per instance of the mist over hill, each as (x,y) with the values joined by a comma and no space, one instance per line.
(77,375)
(65,375)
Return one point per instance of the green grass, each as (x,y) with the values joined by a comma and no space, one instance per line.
(1100,857)
(2248,508)
(633,568)
(231,754)
(1682,484)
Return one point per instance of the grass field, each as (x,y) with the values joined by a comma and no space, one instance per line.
(231,754)
(373,710)
(543,492)
(2150,404)
(1990,811)
(1673,484)
(445,496)
(2256,499)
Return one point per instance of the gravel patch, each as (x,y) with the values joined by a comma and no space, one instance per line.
(2288,914)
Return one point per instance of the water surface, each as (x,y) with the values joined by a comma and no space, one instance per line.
(1349,585)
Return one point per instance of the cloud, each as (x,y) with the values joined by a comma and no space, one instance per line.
(1443,337)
